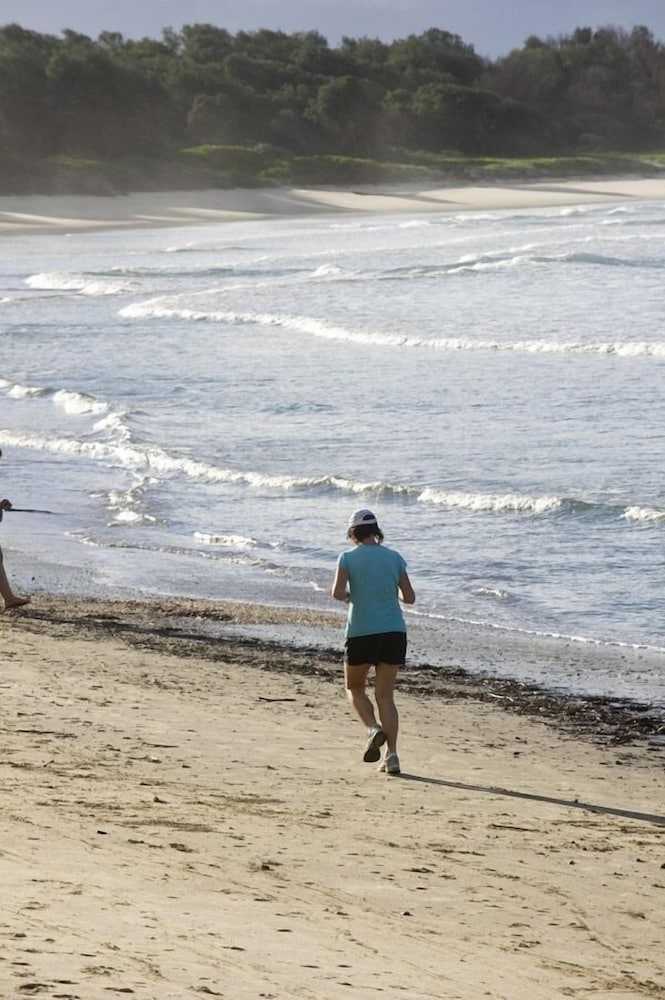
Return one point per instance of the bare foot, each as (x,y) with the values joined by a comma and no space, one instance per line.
(16,602)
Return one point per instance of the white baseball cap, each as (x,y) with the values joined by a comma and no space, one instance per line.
(362,516)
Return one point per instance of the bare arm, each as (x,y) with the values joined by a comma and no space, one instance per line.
(406,590)
(339,588)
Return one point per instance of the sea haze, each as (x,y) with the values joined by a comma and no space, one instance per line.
(203,407)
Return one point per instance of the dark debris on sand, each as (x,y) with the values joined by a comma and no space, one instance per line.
(181,627)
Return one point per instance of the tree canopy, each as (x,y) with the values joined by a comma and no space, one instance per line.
(113,98)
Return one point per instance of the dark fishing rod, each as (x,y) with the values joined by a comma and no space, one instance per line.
(25,510)
(30,510)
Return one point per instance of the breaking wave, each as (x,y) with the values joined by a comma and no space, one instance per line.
(155,462)
(84,284)
(159,309)
(71,402)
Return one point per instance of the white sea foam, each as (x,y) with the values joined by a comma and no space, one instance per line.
(225,541)
(329,271)
(489,264)
(489,592)
(128,516)
(115,424)
(71,402)
(64,281)
(127,505)
(78,402)
(122,499)
(61,446)
(508,503)
(644,515)
(25,391)
(118,498)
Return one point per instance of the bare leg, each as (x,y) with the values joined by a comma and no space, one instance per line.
(384,688)
(11,599)
(355,681)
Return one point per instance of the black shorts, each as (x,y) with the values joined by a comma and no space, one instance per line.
(384,647)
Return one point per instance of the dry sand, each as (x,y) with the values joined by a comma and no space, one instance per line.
(72,213)
(183,816)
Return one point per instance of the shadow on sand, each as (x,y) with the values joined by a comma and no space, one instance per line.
(569,803)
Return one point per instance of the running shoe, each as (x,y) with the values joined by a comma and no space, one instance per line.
(390,764)
(375,739)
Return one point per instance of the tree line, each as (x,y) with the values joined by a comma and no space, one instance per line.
(206,106)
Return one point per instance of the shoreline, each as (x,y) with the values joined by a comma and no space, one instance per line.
(176,823)
(23,214)
(238,632)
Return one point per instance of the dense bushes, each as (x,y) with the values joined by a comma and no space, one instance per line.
(208,108)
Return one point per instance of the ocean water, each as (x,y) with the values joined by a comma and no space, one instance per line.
(203,407)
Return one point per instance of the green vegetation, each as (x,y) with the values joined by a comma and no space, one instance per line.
(205,108)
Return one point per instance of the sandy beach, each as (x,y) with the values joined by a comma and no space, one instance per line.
(73,213)
(188,816)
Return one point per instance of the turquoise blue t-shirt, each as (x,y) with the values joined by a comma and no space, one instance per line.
(374,572)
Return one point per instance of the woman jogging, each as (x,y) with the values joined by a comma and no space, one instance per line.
(372,578)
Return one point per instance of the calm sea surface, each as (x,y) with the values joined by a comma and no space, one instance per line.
(203,408)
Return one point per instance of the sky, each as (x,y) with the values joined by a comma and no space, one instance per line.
(493,27)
